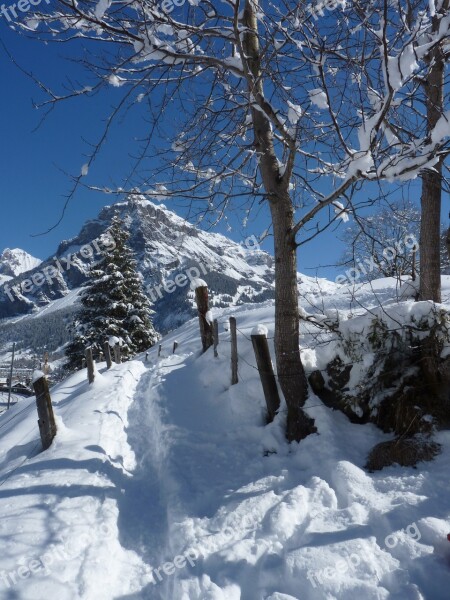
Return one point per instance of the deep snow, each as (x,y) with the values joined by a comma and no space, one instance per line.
(163,483)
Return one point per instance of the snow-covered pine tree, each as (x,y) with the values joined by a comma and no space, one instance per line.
(113,304)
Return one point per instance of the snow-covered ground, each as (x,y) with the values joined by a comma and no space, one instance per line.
(164,484)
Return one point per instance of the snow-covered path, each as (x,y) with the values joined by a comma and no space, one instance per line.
(256,519)
(163,483)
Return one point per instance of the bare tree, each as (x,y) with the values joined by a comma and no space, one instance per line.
(385,243)
(278,102)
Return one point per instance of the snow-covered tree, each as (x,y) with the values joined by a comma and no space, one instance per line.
(291,104)
(113,305)
(384,244)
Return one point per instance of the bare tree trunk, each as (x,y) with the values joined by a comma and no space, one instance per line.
(430,224)
(291,375)
(430,258)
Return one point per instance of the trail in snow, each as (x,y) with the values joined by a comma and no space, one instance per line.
(268,525)
(142,520)
(163,460)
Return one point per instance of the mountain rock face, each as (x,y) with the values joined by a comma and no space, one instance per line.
(16,261)
(170,252)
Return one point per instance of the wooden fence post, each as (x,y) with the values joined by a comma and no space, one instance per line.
(90,364)
(11,374)
(201,298)
(46,421)
(234,352)
(107,353)
(175,346)
(265,368)
(216,336)
(159,350)
(117,358)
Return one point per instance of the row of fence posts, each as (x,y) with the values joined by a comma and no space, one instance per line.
(174,348)
(106,355)
(209,332)
(46,416)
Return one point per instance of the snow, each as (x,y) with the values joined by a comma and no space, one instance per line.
(164,482)
(441,129)
(319,98)
(260,330)
(37,374)
(400,68)
(196,283)
(116,81)
(409,289)
(294,113)
(340,211)
(101,8)
(16,261)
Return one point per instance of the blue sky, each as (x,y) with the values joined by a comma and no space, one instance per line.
(35,162)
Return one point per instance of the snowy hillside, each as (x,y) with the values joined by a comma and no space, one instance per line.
(163,483)
(15,262)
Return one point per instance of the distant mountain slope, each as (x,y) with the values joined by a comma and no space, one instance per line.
(14,262)
(166,247)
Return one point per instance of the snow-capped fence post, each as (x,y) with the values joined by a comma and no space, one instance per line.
(46,420)
(234,352)
(265,368)
(201,298)
(107,353)
(117,357)
(90,364)
(216,336)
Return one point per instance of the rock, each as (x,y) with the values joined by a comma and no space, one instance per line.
(406,452)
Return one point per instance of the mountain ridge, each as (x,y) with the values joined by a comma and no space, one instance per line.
(16,261)
(165,246)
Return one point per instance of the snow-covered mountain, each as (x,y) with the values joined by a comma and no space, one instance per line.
(166,247)
(15,261)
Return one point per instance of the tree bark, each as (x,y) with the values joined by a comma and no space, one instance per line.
(430,224)
(291,375)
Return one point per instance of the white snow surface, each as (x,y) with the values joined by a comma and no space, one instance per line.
(164,483)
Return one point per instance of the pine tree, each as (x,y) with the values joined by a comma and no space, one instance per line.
(113,305)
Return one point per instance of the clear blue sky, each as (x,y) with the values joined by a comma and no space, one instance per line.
(33,161)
